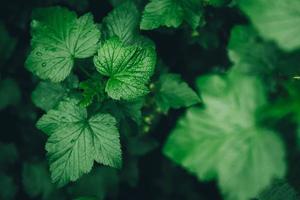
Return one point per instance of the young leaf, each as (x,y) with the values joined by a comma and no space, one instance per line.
(76,141)
(211,142)
(58,37)
(171,13)
(92,88)
(129,68)
(276,20)
(173,92)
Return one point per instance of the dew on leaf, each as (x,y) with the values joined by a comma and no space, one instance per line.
(34,23)
(38,53)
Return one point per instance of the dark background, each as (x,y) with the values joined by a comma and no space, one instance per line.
(158,178)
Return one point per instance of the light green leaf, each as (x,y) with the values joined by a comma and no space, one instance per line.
(256,162)
(76,141)
(277,20)
(129,68)
(58,37)
(171,13)
(48,64)
(173,92)
(223,140)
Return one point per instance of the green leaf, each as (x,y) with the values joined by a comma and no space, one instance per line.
(58,37)
(171,13)
(249,53)
(36,180)
(93,88)
(252,55)
(129,68)
(123,22)
(162,12)
(285,106)
(277,20)
(173,92)
(10,93)
(47,95)
(76,141)
(223,140)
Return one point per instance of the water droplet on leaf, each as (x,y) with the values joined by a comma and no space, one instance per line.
(34,23)
(38,53)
